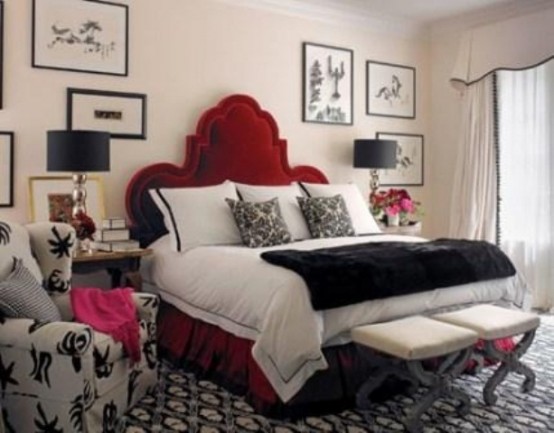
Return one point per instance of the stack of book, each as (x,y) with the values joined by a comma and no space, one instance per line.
(114,236)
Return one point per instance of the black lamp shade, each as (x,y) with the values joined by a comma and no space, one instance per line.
(373,153)
(78,151)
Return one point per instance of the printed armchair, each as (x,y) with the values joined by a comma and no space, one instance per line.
(56,375)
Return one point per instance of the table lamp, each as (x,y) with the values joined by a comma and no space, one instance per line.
(374,154)
(78,152)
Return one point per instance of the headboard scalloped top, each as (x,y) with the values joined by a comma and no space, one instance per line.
(234,140)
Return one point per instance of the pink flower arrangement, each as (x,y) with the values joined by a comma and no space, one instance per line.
(394,202)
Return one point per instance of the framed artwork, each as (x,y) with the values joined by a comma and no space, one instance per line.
(50,198)
(390,90)
(81,36)
(409,160)
(123,115)
(327,84)
(6,169)
(1,54)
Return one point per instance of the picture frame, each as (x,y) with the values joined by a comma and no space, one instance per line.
(409,170)
(48,198)
(121,114)
(327,84)
(81,36)
(6,168)
(390,90)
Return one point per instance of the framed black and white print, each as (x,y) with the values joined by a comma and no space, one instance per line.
(390,90)
(327,84)
(81,36)
(409,160)
(6,169)
(123,115)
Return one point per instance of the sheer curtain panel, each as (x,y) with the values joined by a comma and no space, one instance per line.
(526,119)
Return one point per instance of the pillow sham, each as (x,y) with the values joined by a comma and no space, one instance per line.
(327,217)
(260,224)
(362,220)
(22,296)
(198,215)
(288,204)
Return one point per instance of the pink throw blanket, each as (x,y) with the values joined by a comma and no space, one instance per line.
(112,312)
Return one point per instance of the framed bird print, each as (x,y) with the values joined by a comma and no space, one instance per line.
(391,90)
(409,169)
(81,36)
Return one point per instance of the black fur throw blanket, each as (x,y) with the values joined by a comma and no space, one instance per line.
(350,274)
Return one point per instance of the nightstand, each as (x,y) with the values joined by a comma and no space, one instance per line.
(119,265)
(411,230)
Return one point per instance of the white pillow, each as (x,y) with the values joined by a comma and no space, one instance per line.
(286,196)
(198,215)
(362,220)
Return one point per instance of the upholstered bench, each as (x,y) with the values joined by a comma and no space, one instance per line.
(491,323)
(409,342)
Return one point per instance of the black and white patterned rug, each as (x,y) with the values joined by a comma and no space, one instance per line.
(190,405)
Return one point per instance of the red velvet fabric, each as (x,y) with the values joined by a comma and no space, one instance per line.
(235,140)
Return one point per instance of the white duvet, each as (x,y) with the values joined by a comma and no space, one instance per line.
(233,288)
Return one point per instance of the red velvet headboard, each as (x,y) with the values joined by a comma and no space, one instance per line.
(234,140)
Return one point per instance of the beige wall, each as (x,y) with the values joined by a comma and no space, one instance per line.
(445,121)
(188,54)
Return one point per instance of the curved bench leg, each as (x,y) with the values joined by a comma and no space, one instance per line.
(509,362)
(363,395)
(440,385)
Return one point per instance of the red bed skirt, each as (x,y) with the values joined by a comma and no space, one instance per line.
(215,354)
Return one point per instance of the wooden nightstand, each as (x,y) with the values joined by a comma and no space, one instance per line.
(411,230)
(117,264)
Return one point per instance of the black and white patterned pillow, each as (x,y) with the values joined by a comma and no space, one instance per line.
(327,217)
(22,296)
(260,224)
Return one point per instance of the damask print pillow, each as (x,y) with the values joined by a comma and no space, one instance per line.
(327,217)
(260,224)
(22,296)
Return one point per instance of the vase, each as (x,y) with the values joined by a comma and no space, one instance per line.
(393,220)
(84,246)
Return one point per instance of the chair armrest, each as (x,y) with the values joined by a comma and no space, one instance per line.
(147,305)
(64,338)
(53,245)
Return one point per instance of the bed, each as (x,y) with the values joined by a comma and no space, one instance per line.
(254,331)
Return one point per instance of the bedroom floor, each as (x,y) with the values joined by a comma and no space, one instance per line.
(187,404)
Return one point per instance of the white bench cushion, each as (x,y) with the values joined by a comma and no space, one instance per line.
(414,338)
(492,322)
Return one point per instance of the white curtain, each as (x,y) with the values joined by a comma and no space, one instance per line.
(474,197)
(526,121)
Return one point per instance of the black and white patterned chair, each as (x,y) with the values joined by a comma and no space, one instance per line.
(56,375)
